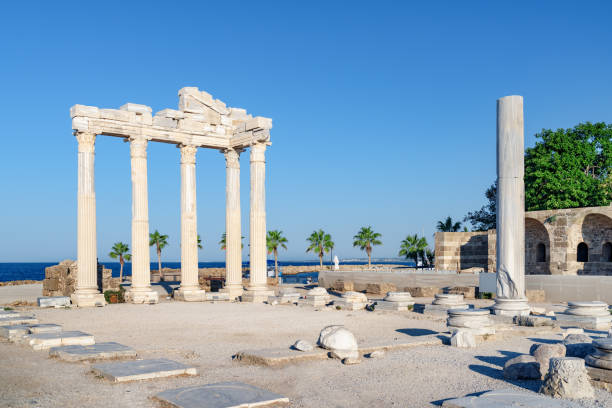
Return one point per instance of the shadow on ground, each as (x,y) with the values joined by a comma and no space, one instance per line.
(416,332)
(498,373)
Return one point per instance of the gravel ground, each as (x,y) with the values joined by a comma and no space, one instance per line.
(207,335)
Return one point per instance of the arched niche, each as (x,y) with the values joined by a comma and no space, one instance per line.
(537,248)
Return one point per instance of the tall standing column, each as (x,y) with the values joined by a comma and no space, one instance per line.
(190,288)
(140,291)
(233,232)
(257,290)
(510,297)
(86,293)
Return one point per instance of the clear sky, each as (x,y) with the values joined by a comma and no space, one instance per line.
(384,112)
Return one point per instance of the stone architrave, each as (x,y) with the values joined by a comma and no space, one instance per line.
(190,288)
(87,293)
(140,291)
(257,290)
(233,230)
(510,297)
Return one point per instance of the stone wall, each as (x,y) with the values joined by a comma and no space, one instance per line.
(61,279)
(552,238)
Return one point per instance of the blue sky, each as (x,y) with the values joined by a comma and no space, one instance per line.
(384,112)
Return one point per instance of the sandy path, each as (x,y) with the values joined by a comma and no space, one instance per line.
(207,335)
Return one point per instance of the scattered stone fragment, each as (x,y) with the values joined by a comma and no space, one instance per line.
(508,398)
(338,339)
(45,328)
(463,338)
(544,352)
(351,360)
(220,395)
(377,354)
(567,378)
(572,330)
(342,354)
(54,301)
(142,369)
(532,321)
(99,351)
(578,345)
(523,367)
(538,311)
(302,345)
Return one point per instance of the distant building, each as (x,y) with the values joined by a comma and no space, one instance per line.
(572,241)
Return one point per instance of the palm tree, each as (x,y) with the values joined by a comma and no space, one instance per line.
(160,241)
(431,256)
(320,242)
(365,239)
(223,242)
(120,250)
(199,242)
(274,240)
(448,225)
(413,247)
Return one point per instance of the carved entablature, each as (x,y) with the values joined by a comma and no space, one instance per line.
(200,121)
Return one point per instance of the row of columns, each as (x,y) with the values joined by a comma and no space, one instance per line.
(87,293)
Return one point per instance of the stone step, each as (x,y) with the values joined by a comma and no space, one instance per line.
(14,332)
(44,341)
(142,370)
(220,395)
(508,398)
(8,313)
(17,319)
(98,351)
(45,328)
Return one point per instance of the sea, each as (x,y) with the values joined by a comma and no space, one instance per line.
(11,271)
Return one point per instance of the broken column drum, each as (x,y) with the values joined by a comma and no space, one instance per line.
(510,297)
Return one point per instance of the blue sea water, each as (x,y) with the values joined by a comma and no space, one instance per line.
(10,271)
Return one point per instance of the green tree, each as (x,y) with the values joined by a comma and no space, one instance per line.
(365,239)
(569,168)
(160,241)
(274,240)
(413,247)
(431,257)
(448,225)
(223,242)
(320,242)
(485,218)
(120,250)
(200,242)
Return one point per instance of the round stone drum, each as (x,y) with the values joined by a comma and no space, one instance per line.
(595,308)
(399,297)
(451,300)
(602,357)
(469,318)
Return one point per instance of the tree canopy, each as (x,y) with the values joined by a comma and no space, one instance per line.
(569,168)
(485,218)
(448,225)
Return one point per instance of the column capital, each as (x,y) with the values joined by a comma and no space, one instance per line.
(138,146)
(86,141)
(232,158)
(258,152)
(188,153)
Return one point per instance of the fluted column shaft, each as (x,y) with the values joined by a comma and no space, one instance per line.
(141,263)
(189,225)
(233,233)
(257,234)
(86,230)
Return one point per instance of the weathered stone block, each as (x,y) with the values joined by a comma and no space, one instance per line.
(44,341)
(54,301)
(535,295)
(45,328)
(142,370)
(380,288)
(468,292)
(343,286)
(427,291)
(99,351)
(523,367)
(164,122)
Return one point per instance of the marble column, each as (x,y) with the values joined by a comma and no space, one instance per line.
(510,297)
(190,288)
(86,293)
(233,231)
(257,290)
(140,291)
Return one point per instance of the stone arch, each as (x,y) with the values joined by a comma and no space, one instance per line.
(537,248)
(596,230)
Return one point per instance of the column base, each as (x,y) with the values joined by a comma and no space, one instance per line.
(142,296)
(190,295)
(87,299)
(511,307)
(256,295)
(233,291)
